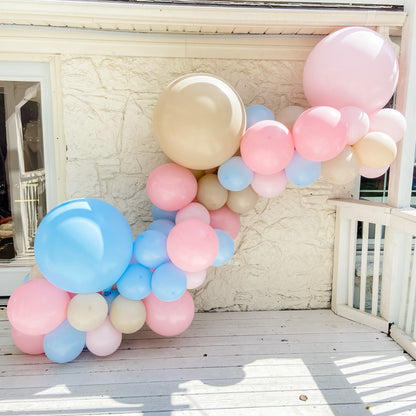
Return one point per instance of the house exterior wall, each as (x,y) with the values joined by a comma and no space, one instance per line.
(284,252)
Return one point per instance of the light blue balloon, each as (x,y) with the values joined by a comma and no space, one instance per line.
(64,343)
(234,174)
(161,214)
(26,279)
(301,171)
(83,245)
(168,282)
(226,248)
(150,249)
(109,296)
(135,283)
(163,226)
(256,113)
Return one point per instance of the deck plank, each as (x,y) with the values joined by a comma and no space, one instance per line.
(238,363)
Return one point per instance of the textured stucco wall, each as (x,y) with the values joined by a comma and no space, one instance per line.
(284,252)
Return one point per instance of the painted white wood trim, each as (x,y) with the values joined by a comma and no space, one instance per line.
(362,317)
(404,340)
(170,18)
(376,269)
(363,272)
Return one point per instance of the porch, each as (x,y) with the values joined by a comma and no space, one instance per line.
(233,363)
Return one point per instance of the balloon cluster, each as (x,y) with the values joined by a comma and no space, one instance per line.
(93,282)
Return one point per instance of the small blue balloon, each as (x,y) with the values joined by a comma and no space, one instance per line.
(163,226)
(168,282)
(226,248)
(161,214)
(301,171)
(109,296)
(83,245)
(64,343)
(256,113)
(150,249)
(234,174)
(135,283)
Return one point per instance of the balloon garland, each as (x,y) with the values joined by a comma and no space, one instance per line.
(93,282)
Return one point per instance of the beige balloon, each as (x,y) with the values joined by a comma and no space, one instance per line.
(376,150)
(289,115)
(199,120)
(198,174)
(87,311)
(242,201)
(35,273)
(127,315)
(211,194)
(342,169)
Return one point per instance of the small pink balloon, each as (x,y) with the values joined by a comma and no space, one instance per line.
(371,173)
(171,187)
(37,307)
(357,122)
(269,186)
(227,220)
(29,344)
(169,318)
(267,147)
(389,121)
(104,340)
(195,279)
(320,134)
(193,210)
(192,245)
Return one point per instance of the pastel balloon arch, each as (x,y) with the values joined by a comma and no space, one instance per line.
(93,282)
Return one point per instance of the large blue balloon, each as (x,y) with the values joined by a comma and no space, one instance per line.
(135,282)
(226,248)
(83,245)
(150,248)
(256,113)
(168,282)
(234,174)
(64,343)
(301,171)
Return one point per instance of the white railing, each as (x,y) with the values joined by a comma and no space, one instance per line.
(375,269)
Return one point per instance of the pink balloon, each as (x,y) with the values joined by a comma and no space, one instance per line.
(29,344)
(371,173)
(192,245)
(37,307)
(227,220)
(195,279)
(267,147)
(354,66)
(269,186)
(171,187)
(104,340)
(389,121)
(320,134)
(169,318)
(357,122)
(193,210)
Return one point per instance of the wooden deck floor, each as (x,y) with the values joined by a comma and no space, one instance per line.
(311,363)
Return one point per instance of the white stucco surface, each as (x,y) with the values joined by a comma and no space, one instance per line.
(284,252)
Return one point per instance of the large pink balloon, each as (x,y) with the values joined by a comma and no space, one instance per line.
(192,245)
(29,344)
(169,318)
(37,307)
(267,147)
(171,187)
(354,66)
(104,340)
(269,186)
(227,220)
(389,121)
(320,134)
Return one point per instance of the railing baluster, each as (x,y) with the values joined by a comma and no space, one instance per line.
(363,271)
(376,269)
(405,287)
(352,248)
(411,299)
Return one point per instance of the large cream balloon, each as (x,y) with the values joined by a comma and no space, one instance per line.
(376,150)
(87,311)
(342,169)
(211,193)
(127,315)
(242,201)
(199,120)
